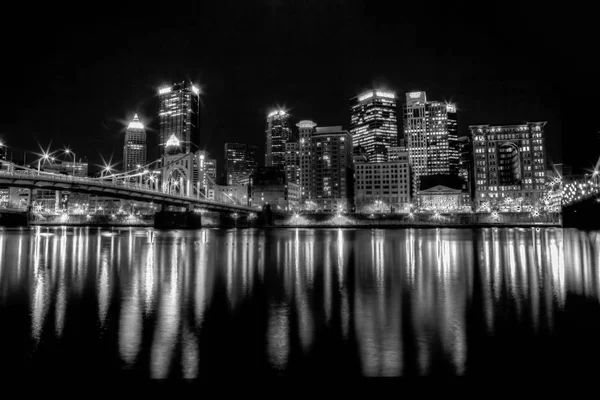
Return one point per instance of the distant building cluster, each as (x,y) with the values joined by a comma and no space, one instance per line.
(393,158)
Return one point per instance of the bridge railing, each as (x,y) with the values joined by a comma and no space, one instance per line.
(120,184)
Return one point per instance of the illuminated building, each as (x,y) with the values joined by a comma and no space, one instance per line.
(134,150)
(383,185)
(240,163)
(232,194)
(396,152)
(465,165)
(205,174)
(373,123)
(332,181)
(3,151)
(509,162)
(292,162)
(179,119)
(278,133)
(430,130)
(306,129)
(443,193)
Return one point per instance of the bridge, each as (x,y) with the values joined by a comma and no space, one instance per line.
(140,185)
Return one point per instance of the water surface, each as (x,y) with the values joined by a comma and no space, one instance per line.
(298,302)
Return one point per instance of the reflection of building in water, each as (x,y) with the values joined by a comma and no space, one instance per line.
(426,277)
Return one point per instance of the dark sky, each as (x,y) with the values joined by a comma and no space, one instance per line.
(76,76)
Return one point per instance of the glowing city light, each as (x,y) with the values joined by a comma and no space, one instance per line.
(451,108)
(164,90)
(173,141)
(389,95)
(195,89)
(135,124)
(414,95)
(365,96)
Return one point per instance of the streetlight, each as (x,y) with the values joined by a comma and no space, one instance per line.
(69,151)
(44,157)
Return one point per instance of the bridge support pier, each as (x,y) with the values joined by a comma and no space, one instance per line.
(177,220)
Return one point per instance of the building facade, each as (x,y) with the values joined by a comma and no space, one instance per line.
(268,187)
(332,181)
(232,194)
(134,149)
(431,134)
(374,123)
(179,119)
(443,193)
(240,163)
(306,130)
(292,162)
(465,167)
(278,132)
(509,164)
(383,187)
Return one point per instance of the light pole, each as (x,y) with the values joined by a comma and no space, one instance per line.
(69,151)
(44,157)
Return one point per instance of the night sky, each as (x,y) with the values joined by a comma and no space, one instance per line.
(77,76)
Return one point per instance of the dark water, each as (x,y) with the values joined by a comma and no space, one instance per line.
(298,302)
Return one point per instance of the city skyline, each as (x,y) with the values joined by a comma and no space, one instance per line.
(528,91)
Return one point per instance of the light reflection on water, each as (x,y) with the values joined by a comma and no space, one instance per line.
(372,302)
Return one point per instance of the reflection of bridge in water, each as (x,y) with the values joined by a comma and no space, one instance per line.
(405,298)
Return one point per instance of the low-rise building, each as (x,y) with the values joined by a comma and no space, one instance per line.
(443,193)
(383,186)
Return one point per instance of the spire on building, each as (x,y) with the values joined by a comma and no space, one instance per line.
(136,124)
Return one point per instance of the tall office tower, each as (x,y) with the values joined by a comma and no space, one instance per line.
(306,129)
(179,119)
(134,150)
(278,133)
(373,123)
(240,163)
(292,162)
(430,130)
(465,169)
(510,163)
(205,172)
(332,180)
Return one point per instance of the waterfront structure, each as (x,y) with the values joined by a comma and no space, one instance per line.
(292,162)
(443,193)
(134,149)
(430,130)
(306,129)
(509,163)
(465,165)
(383,186)
(278,132)
(240,163)
(268,187)
(332,182)
(178,119)
(373,122)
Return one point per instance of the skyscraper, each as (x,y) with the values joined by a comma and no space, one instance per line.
(430,131)
(510,163)
(240,163)
(134,150)
(306,129)
(292,162)
(373,123)
(278,132)
(332,182)
(179,119)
